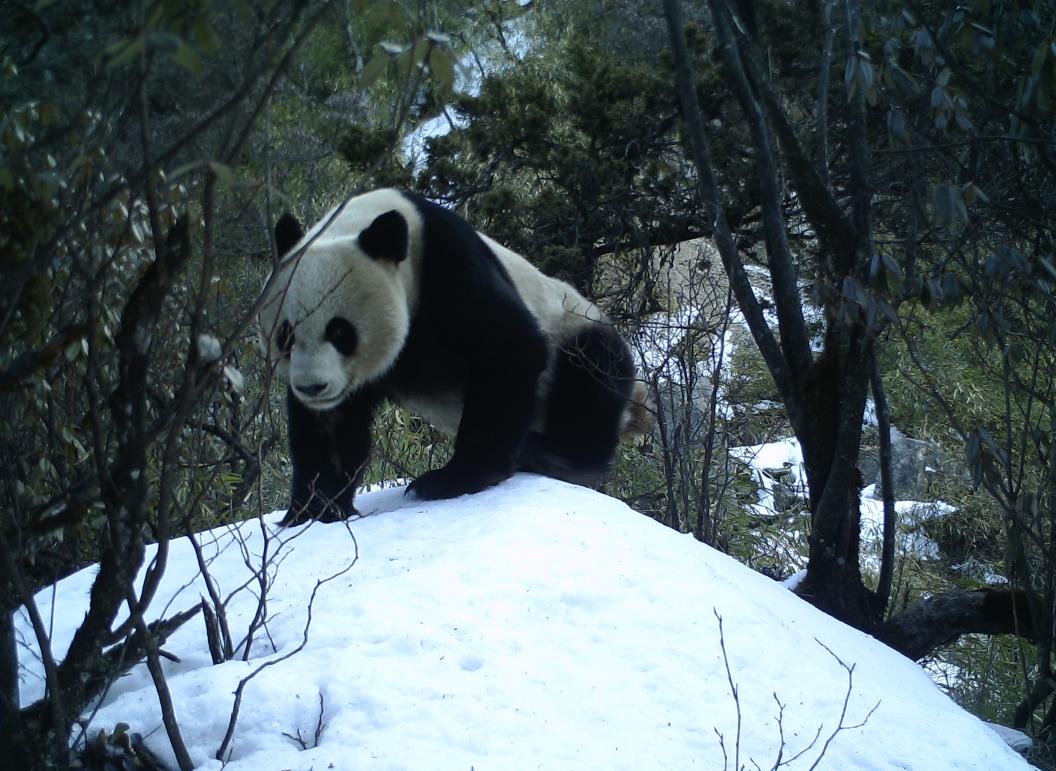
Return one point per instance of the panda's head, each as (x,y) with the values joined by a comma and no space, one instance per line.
(336,315)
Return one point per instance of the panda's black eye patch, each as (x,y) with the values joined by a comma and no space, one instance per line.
(284,338)
(342,335)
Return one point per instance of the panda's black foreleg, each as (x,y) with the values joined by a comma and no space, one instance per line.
(329,451)
(495,419)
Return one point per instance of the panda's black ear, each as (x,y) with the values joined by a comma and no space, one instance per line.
(288,232)
(386,237)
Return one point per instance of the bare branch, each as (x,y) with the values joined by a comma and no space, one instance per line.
(733,691)
(833,229)
(709,194)
(942,619)
(161,687)
(887,558)
(782,266)
(843,711)
(29,364)
(222,751)
(53,696)
(858,143)
(824,69)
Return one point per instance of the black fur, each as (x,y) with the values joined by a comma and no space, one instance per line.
(386,238)
(288,232)
(471,334)
(329,451)
(591,384)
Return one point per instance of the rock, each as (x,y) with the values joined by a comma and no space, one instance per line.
(1017,740)
(676,411)
(869,466)
(915,464)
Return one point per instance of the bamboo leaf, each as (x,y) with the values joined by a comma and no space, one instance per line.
(187,57)
(1038,60)
(943,207)
(375,69)
(894,271)
(442,65)
(124,51)
(223,173)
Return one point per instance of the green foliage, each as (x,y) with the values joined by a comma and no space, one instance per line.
(405,447)
(638,479)
(130,170)
(565,157)
(362,148)
(573,156)
(981,674)
(943,339)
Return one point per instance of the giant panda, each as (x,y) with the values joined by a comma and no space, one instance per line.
(393,297)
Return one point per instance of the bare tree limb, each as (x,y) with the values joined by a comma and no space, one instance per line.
(887,557)
(858,161)
(161,687)
(940,620)
(709,194)
(121,658)
(126,493)
(222,751)
(28,364)
(782,266)
(824,69)
(53,696)
(834,230)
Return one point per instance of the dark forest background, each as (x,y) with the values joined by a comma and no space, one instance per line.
(800,214)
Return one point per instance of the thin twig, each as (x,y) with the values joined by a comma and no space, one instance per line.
(736,696)
(843,710)
(222,753)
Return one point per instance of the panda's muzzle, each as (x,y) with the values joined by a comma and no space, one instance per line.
(319,396)
(310,390)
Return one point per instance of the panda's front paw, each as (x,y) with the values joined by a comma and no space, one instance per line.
(453,480)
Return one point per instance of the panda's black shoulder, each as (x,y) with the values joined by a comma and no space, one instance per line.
(446,237)
(434,216)
(468,306)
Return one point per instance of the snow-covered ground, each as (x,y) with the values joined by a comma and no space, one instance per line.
(535,625)
(780,463)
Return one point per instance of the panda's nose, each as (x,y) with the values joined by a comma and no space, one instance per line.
(313,389)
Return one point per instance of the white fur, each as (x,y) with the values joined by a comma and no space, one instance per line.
(327,275)
(558,307)
(442,411)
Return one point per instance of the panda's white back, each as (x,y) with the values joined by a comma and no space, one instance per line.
(559,308)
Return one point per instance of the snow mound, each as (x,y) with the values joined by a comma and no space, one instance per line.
(535,625)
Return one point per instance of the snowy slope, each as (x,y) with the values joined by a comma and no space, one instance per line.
(536,625)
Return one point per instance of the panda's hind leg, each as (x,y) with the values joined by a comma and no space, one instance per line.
(590,384)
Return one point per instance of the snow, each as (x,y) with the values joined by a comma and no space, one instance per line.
(534,625)
(468,80)
(781,463)
(1015,739)
(783,457)
(910,515)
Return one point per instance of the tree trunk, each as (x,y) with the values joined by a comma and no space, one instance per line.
(12,735)
(824,397)
(833,403)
